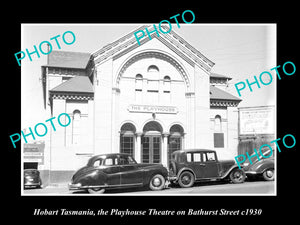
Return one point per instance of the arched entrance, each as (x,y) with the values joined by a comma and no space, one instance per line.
(151,143)
(175,140)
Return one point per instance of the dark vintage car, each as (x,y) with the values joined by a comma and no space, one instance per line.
(118,170)
(264,167)
(32,178)
(188,166)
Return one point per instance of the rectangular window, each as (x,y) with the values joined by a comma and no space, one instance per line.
(138,95)
(219,140)
(152,96)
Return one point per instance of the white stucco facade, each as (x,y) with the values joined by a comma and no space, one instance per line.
(146,100)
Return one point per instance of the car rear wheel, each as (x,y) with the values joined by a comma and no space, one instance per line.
(268,174)
(96,190)
(186,179)
(157,182)
(237,176)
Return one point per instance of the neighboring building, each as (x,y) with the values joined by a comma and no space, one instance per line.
(146,100)
(256,127)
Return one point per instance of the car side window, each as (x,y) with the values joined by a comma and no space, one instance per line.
(97,162)
(108,162)
(123,160)
(189,157)
(131,160)
(197,157)
(211,156)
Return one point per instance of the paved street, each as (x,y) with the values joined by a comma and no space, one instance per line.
(217,188)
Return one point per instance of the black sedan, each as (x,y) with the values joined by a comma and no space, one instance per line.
(262,167)
(32,178)
(118,170)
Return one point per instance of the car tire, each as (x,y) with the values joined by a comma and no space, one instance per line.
(96,190)
(268,175)
(157,182)
(186,179)
(237,176)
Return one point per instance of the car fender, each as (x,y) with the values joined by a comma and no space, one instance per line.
(230,170)
(185,169)
(92,178)
(262,166)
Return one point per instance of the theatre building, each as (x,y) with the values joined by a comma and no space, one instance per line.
(147,100)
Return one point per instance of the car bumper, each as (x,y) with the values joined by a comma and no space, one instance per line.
(32,184)
(78,186)
(173,178)
(74,186)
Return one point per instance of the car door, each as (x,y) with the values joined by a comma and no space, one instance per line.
(112,170)
(210,164)
(195,163)
(131,174)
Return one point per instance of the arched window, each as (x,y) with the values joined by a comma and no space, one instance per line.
(152,68)
(138,88)
(139,77)
(167,79)
(166,90)
(218,134)
(127,139)
(218,125)
(76,127)
(152,85)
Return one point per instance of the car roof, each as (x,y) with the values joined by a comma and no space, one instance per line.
(109,154)
(193,150)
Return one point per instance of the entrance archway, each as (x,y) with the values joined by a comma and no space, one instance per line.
(175,140)
(151,142)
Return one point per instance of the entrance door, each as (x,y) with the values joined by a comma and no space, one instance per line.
(151,149)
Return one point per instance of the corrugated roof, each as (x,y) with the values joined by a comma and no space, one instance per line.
(216,93)
(76,60)
(78,84)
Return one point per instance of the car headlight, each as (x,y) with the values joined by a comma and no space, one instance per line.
(77,185)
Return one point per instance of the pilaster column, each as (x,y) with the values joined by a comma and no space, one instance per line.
(137,151)
(164,152)
(183,141)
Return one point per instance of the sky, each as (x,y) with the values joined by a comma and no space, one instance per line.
(239,51)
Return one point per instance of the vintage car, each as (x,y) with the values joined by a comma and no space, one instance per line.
(118,170)
(32,178)
(188,166)
(264,167)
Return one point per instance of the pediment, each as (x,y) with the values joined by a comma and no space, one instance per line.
(172,40)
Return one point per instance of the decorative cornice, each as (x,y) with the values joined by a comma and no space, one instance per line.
(224,103)
(172,40)
(72,96)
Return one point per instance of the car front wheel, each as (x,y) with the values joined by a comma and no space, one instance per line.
(157,182)
(186,179)
(268,174)
(237,176)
